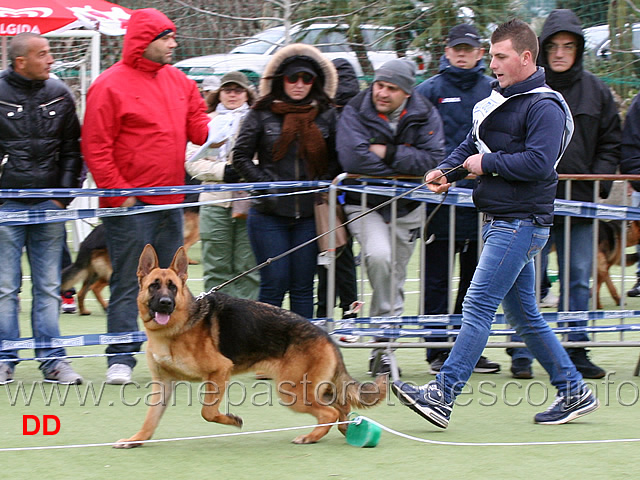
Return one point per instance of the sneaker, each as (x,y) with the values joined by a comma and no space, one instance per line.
(635,290)
(436,363)
(427,401)
(346,337)
(64,374)
(119,374)
(485,365)
(521,368)
(549,301)
(585,366)
(6,373)
(68,303)
(564,409)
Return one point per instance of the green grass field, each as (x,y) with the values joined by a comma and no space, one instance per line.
(495,409)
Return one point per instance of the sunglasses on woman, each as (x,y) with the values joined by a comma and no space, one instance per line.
(306,77)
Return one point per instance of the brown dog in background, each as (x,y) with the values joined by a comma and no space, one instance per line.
(610,252)
(216,336)
(92,267)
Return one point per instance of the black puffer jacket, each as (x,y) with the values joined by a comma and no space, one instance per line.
(39,134)
(595,145)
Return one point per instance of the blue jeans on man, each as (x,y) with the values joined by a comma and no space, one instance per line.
(580,267)
(506,274)
(126,237)
(44,243)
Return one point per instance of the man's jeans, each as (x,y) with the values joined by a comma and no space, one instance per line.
(44,243)
(506,274)
(126,237)
(580,265)
(272,235)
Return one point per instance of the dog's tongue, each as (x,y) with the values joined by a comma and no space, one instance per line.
(162,318)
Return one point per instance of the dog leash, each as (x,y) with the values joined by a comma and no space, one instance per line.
(268,261)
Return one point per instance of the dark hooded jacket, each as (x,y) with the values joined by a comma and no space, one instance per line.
(140,115)
(630,162)
(595,145)
(348,85)
(39,135)
(261,129)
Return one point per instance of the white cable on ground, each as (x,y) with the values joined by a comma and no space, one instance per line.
(355,420)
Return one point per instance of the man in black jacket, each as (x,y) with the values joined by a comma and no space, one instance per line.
(594,149)
(39,147)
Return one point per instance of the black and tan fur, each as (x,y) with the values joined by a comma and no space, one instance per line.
(92,267)
(217,336)
(610,253)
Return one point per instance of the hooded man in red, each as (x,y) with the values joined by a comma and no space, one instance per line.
(140,114)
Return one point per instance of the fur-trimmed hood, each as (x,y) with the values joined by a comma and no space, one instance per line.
(326,70)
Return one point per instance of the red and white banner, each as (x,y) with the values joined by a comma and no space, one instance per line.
(42,16)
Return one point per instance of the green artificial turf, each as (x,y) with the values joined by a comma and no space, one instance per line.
(496,409)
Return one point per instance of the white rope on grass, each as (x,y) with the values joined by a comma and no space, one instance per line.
(496,444)
(177,439)
(356,420)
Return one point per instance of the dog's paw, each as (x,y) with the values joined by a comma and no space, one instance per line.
(235,420)
(303,440)
(126,443)
(85,312)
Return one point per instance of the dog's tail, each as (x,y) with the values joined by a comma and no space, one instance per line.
(356,394)
(72,275)
(77,271)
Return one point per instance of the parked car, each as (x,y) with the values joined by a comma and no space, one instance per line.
(598,43)
(251,56)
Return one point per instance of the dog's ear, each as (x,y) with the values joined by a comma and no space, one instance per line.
(180,263)
(148,261)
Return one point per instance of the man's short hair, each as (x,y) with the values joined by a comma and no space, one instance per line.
(19,46)
(521,35)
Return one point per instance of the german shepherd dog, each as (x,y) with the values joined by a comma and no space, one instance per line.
(216,336)
(92,267)
(610,252)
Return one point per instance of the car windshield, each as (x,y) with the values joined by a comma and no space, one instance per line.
(260,43)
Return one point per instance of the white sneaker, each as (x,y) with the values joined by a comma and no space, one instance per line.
(119,374)
(345,337)
(549,301)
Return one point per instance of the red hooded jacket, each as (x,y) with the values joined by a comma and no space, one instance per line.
(139,117)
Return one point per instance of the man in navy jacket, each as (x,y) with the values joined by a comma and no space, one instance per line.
(460,84)
(594,149)
(519,133)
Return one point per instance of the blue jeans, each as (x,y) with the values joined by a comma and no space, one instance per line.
(44,243)
(506,274)
(271,235)
(580,265)
(126,237)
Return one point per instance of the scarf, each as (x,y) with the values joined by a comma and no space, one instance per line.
(299,124)
(231,119)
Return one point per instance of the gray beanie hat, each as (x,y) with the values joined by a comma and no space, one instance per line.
(400,72)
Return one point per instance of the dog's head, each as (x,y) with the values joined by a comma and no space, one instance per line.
(162,290)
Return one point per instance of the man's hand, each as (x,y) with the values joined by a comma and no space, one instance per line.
(473,164)
(436,181)
(129,202)
(379,149)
